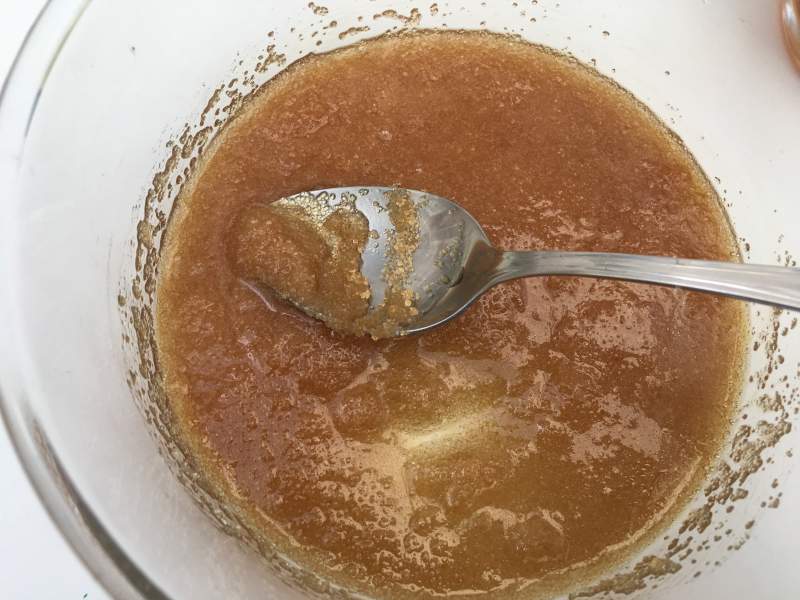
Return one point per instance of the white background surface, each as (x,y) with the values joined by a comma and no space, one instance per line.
(35,561)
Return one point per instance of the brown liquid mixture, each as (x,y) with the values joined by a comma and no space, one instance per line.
(558,421)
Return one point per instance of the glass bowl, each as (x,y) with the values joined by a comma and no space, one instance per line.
(108,103)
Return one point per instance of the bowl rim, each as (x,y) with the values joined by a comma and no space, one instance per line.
(72,515)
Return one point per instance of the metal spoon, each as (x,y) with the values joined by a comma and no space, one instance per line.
(455,263)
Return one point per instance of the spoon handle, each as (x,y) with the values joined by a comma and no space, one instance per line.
(778,286)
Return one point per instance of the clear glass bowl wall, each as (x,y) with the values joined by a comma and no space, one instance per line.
(99,90)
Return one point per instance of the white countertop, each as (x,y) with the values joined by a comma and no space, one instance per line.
(35,561)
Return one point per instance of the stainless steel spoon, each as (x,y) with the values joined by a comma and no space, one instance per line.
(455,263)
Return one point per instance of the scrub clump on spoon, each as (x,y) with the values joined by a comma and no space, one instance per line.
(308,250)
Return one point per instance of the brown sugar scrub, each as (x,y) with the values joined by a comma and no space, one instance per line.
(554,428)
(308,252)
(314,264)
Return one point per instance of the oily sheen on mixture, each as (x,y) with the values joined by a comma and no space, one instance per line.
(553,425)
